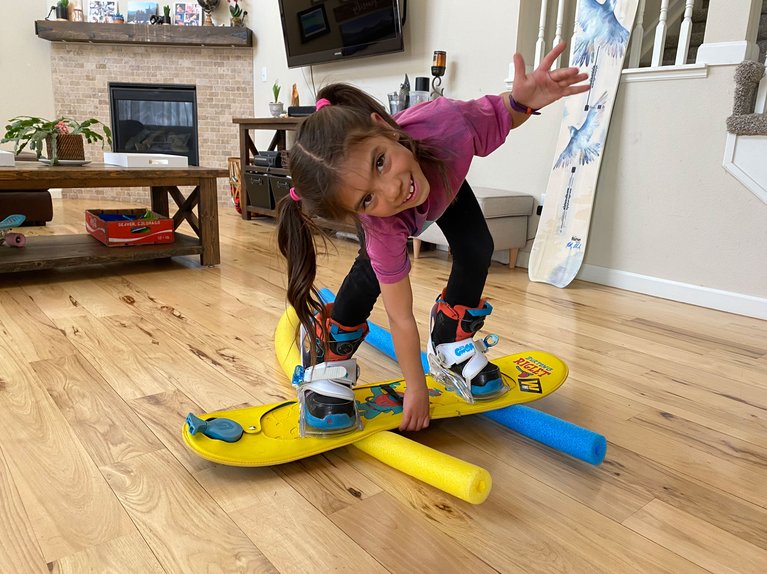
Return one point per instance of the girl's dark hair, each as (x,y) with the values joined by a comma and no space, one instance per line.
(322,145)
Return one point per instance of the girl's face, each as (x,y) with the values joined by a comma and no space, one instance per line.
(382,178)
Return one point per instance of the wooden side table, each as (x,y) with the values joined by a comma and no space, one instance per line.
(248,151)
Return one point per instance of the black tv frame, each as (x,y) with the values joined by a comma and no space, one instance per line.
(379,47)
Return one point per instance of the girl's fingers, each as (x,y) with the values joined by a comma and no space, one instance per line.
(548,59)
(519,68)
(575,80)
(562,73)
(575,90)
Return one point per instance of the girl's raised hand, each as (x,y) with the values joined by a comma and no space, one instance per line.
(544,85)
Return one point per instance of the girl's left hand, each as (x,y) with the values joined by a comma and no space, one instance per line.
(544,86)
(415,412)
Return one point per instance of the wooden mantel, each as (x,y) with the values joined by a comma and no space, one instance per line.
(95,33)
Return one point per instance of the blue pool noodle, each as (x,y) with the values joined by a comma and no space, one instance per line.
(560,435)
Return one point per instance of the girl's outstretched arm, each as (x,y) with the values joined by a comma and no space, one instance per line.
(398,299)
(543,85)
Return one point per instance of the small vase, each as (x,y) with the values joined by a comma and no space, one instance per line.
(62,13)
(68,147)
(235,21)
(276,109)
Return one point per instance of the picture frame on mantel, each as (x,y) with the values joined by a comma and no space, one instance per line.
(187,13)
(101,10)
(141,12)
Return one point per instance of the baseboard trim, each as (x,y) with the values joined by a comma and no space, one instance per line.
(726,301)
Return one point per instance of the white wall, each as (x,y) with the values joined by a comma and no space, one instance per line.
(666,207)
(25,70)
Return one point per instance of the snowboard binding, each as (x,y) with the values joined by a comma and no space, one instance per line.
(458,361)
(325,395)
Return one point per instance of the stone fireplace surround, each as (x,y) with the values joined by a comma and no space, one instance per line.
(223,76)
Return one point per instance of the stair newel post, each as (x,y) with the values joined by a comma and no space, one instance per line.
(540,44)
(560,26)
(635,52)
(685,32)
(660,35)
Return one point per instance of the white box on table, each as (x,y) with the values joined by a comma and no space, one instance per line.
(145,159)
(7,159)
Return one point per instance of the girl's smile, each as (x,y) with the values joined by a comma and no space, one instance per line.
(382,178)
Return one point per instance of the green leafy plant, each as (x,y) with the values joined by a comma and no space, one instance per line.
(276,92)
(236,10)
(31,131)
(166,12)
(63,3)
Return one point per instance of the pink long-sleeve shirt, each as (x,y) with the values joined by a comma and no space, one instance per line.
(463,129)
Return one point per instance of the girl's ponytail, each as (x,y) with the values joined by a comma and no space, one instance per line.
(296,232)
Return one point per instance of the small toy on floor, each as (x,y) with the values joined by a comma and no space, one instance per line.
(12,239)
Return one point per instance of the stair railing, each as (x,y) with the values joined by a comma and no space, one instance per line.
(685,34)
(670,13)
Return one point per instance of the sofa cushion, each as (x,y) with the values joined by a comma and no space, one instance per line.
(36,205)
(502,202)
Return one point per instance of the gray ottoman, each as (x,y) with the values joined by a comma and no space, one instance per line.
(506,213)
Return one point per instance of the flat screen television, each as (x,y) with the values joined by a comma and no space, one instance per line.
(317,31)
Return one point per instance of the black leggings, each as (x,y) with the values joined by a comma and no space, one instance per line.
(471,245)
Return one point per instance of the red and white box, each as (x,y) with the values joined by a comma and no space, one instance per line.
(128,227)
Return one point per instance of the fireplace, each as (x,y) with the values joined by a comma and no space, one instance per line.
(154,118)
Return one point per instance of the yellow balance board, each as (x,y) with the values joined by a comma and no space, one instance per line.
(272,435)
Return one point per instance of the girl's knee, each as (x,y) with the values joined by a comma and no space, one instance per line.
(475,254)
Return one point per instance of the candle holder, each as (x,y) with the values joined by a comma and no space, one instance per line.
(438,67)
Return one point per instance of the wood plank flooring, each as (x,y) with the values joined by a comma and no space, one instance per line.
(99,366)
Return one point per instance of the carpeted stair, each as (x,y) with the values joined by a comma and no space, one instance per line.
(743,121)
(699,17)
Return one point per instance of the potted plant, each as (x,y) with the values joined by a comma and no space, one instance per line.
(166,14)
(62,10)
(63,136)
(275,107)
(237,13)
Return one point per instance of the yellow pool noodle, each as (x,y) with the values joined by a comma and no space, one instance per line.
(462,479)
(285,337)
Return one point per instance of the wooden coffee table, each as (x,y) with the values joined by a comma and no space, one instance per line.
(79,249)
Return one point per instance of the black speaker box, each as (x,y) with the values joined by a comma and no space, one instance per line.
(300,111)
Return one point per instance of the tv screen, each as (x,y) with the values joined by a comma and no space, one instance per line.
(318,31)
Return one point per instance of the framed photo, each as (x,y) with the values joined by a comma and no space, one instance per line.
(139,12)
(101,10)
(187,13)
(313,23)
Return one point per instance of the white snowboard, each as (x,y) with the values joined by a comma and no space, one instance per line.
(598,47)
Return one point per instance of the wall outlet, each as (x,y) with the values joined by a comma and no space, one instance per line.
(263,74)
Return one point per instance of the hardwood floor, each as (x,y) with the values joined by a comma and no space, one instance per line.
(99,366)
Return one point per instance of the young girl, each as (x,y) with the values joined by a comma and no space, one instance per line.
(394,176)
